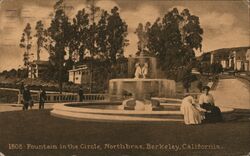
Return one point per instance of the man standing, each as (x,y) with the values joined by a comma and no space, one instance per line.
(26,98)
(42,98)
(80,93)
(20,95)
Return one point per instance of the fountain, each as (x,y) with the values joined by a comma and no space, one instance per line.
(150,98)
(143,86)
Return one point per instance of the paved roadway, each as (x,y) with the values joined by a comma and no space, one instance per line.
(232,93)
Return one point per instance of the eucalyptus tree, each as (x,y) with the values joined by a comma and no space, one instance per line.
(117,31)
(40,35)
(174,38)
(80,30)
(60,32)
(26,44)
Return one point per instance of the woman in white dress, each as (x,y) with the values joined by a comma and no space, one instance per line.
(192,114)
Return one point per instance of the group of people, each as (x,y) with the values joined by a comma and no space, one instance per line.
(27,98)
(203,111)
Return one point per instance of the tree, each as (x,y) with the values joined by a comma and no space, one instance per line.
(173,40)
(12,73)
(40,34)
(116,32)
(216,68)
(26,44)
(80,28)
(92,35)
(155,38)
(60,33)
(102,35)
(191,30)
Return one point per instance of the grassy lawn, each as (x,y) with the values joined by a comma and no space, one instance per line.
(38,127)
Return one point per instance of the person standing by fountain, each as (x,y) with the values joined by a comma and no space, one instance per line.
(42,97)
(80,93)
(26,98)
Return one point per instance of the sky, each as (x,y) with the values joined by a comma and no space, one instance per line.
(225,23)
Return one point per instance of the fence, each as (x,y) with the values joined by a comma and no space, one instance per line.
(66,97)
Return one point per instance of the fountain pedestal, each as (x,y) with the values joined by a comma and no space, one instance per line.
(141,90)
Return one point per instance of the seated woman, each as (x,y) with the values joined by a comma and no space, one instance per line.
(206,102)
(192,114)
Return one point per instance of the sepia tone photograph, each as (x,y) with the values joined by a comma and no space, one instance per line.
(124,78)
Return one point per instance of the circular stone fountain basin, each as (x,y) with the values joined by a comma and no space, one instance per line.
(109,111)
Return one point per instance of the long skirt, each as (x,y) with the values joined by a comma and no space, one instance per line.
(191,114)
(214,114)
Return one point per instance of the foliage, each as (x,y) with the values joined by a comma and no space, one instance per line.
(60,33)
(80,30)
(40,34)
(26,44)
(173,40)
(13,73)
(116,33)
(95,37)
(216,68)
(102,35)
(187,79)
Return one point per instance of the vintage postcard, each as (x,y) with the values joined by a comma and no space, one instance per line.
(124,78)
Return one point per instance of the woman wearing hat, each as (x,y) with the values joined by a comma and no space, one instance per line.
(206,101)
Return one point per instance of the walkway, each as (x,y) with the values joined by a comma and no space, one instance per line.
(232,93)
(18,107)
